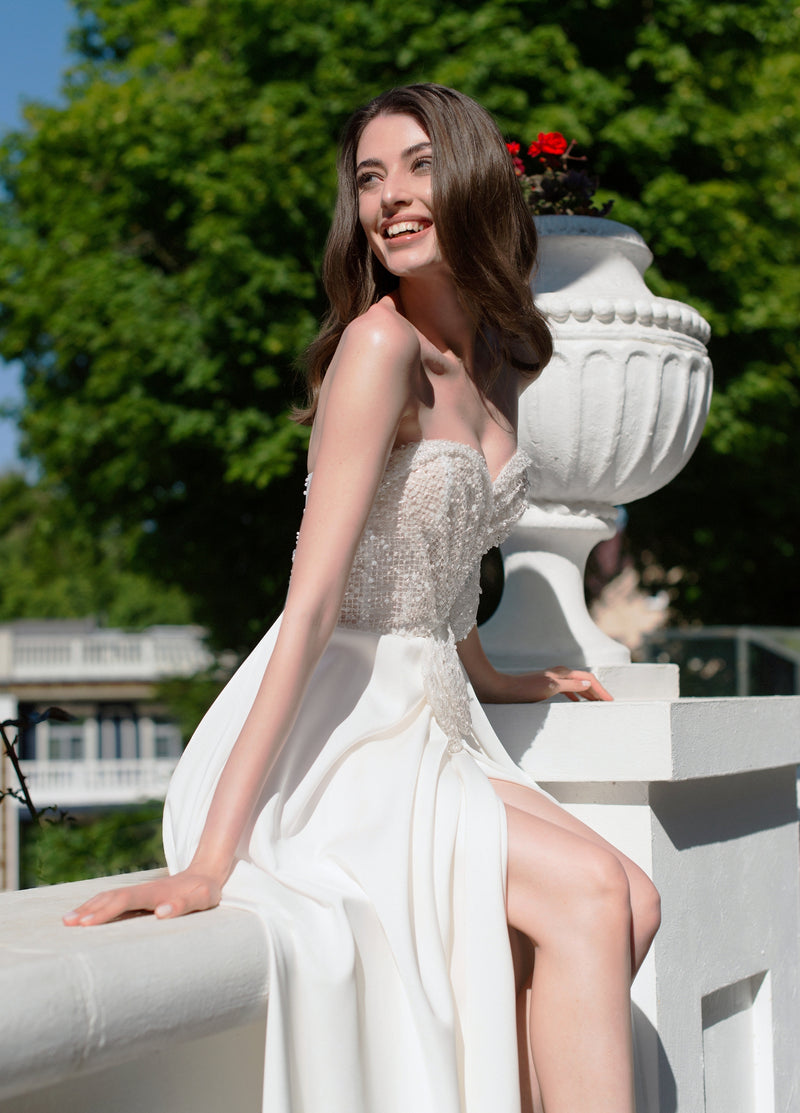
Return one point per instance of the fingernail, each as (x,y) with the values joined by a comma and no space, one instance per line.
(164,910)
(584,683)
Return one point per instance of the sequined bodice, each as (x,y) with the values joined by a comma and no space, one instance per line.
(416,570)
(435,514)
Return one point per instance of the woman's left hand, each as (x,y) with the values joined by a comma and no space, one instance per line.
(560,681)
(492,686)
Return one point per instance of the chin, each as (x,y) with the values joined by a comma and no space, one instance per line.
(414,268)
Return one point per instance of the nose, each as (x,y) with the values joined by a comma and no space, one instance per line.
(394,193)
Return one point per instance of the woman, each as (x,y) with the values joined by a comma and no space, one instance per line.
(346,784)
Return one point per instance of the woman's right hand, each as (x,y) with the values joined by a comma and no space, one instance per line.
(167,897)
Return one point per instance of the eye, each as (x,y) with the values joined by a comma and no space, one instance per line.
(423,164)
(366,178)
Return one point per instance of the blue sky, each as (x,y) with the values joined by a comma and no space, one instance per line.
(33,55)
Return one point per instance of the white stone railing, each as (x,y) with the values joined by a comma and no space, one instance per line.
(81,783)
(169,1016)
(140,1014)
(101,654)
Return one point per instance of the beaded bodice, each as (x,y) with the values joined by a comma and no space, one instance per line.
(435,514)
(416,570)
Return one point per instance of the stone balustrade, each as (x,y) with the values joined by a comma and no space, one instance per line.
(702,793)
(170,1017)
(84,654)
(69,784)
(134,1015)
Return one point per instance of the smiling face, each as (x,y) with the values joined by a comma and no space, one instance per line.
(393,177)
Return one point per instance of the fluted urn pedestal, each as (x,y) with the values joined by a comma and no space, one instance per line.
(614,416)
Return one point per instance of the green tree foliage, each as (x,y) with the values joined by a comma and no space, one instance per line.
(53,566)
(96,844)
(162,233)
(189,697)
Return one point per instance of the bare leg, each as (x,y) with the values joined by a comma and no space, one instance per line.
(522,953)
(570,896)
(528,1082)
(645,901)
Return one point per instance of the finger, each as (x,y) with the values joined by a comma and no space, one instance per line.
(109,905)
(89,907)
(598,692)
(101,912)
(586,686)
(574,686)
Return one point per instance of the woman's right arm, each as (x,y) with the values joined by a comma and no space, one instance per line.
(369,390)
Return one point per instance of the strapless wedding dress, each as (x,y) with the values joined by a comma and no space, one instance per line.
(376,857)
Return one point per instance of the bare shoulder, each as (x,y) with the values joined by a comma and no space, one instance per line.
(384,334)
(372,379)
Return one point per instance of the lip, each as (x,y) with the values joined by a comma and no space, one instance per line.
(425,221)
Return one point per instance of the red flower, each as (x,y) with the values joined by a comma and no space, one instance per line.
(513,148)
(519,166)
(548,143)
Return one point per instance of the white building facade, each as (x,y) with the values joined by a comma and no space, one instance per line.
(120,744)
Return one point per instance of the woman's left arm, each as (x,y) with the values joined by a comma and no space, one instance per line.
(492,686)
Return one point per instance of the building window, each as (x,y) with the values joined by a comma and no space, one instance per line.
(65,742)
(167,742)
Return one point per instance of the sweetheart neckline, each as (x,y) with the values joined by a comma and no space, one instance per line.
(462,444)
(454,444)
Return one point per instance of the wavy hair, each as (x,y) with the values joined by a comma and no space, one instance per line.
(483,227)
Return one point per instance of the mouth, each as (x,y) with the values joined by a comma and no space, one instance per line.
(404,229)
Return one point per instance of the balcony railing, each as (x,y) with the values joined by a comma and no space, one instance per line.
(169,1015)
(81,783)
(51,655)
(140,1014)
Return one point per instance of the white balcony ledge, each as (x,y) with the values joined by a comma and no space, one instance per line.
(169,1016)
(650,740)
(82,1000)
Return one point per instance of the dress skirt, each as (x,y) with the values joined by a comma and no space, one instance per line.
(376,860)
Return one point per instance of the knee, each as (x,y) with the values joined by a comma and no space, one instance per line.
(604,894)
(646,911)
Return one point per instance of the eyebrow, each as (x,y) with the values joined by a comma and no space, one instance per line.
(407,153)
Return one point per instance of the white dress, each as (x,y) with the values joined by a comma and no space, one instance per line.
(377,853)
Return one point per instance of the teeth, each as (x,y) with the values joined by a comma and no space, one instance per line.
(400,229)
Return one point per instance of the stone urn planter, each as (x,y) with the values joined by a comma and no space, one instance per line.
(614,416)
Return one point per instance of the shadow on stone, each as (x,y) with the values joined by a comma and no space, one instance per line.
(656,1089)
(717,809)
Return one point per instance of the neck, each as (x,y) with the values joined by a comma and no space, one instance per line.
(433,307)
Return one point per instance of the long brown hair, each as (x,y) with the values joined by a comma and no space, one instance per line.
(483,227)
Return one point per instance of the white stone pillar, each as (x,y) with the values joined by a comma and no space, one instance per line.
(91,739)
(108,739)
(6,655)
(128,739)
(9,842)
(9,811)
(42,740)
(702,794)
(147,737)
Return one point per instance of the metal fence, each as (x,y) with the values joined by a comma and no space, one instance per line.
(730,660)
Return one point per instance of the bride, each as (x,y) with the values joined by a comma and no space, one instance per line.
(443,937)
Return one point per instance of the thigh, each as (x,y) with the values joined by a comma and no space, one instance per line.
(536,804)
(554,875)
